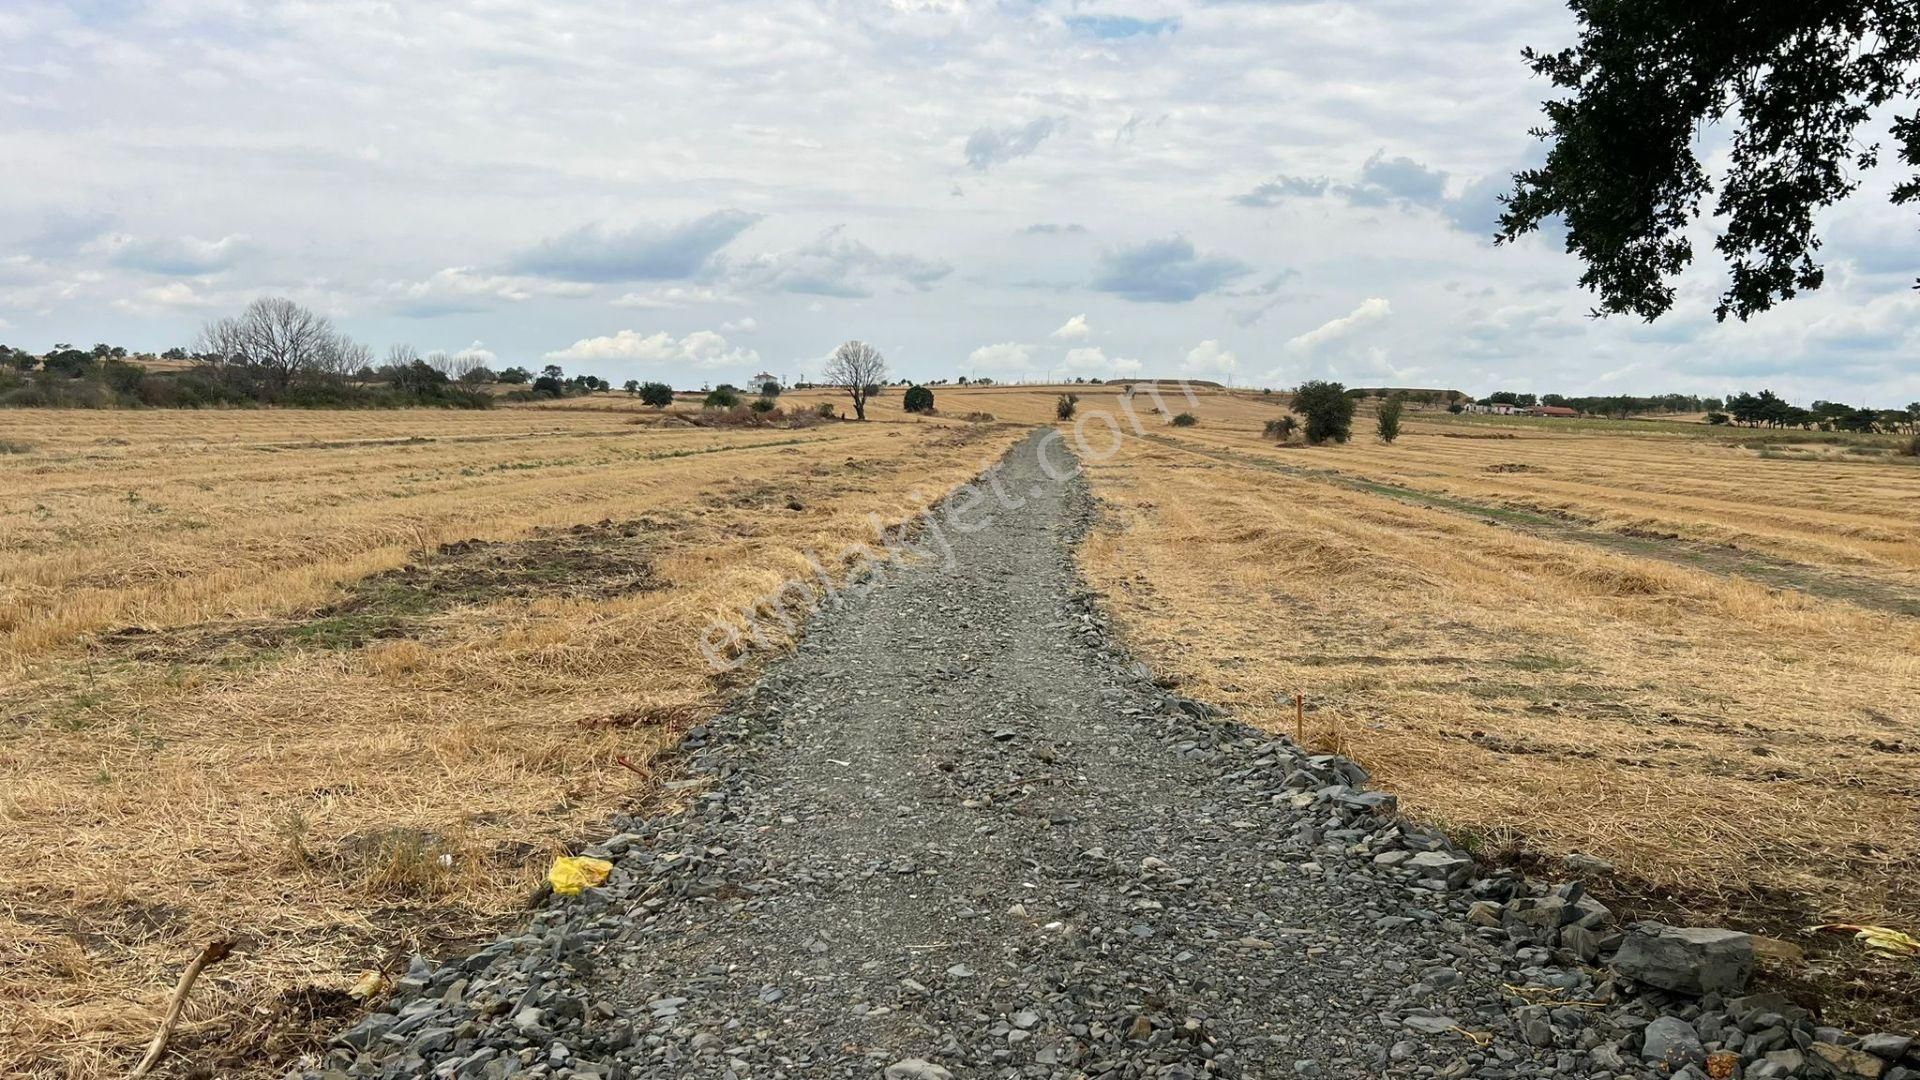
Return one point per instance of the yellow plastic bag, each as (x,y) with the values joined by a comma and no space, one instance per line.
(370,985)
(1879,938)
(570,875)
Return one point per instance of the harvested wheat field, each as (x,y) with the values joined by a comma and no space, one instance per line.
(336,685)
(1669,653)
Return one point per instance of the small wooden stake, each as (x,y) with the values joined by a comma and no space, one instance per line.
(215,952)
(1300,719)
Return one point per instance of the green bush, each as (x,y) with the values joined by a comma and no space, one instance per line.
(722,397)
(1388,421)
(1282,429)
(1328,409)
(824,410)
(657,394)
(1064,405)
(769,389)
(1185,419)
(763,405)
(918,399)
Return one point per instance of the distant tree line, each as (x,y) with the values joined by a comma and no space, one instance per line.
(276,352)
(1767,409)
(1619,406)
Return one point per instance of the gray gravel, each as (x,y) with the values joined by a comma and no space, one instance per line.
(960,833)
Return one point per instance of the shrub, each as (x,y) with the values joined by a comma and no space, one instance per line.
(1910,448)
(752,416)
(1185,419)
(1064,405)
(979,417)
(722,397)
(1282,429)
(1388,422)
(1328,409)
(1717,418)
(918,399)
(769,389)
(1456,408)
(123,377)
(824,410)
(657,394)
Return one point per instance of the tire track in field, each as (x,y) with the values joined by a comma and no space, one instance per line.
(1717,559)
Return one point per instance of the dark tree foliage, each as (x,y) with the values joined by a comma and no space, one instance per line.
(1794,80)
(657,394)
(1387,424)
(1328,409)
(918,399)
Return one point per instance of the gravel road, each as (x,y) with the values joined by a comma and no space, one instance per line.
(959,831)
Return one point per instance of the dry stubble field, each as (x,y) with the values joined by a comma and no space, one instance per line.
(338,684)
(260,681)
(1557,640)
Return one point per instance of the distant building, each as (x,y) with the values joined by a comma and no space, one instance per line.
(761,380)
(1552,410)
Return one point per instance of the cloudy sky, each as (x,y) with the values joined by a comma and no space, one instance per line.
(696,191)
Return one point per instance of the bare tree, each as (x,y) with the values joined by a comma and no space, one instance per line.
(857,368)
(277,340)
(455,366)
(348,357)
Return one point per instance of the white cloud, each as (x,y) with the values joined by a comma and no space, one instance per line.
(170,255)
(1208,358)
(1370,310)
(646,252)
(675,296)
(479,353)
(174,295)
(701,349)
(1073,329)
(1094,360)
(1006,356)
(682,159)
(835,264)
(464,289)
(746,325)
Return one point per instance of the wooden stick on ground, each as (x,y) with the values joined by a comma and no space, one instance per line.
(212,954)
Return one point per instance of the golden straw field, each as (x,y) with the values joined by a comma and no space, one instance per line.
(229,711)
(1588,642)
(337,685)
